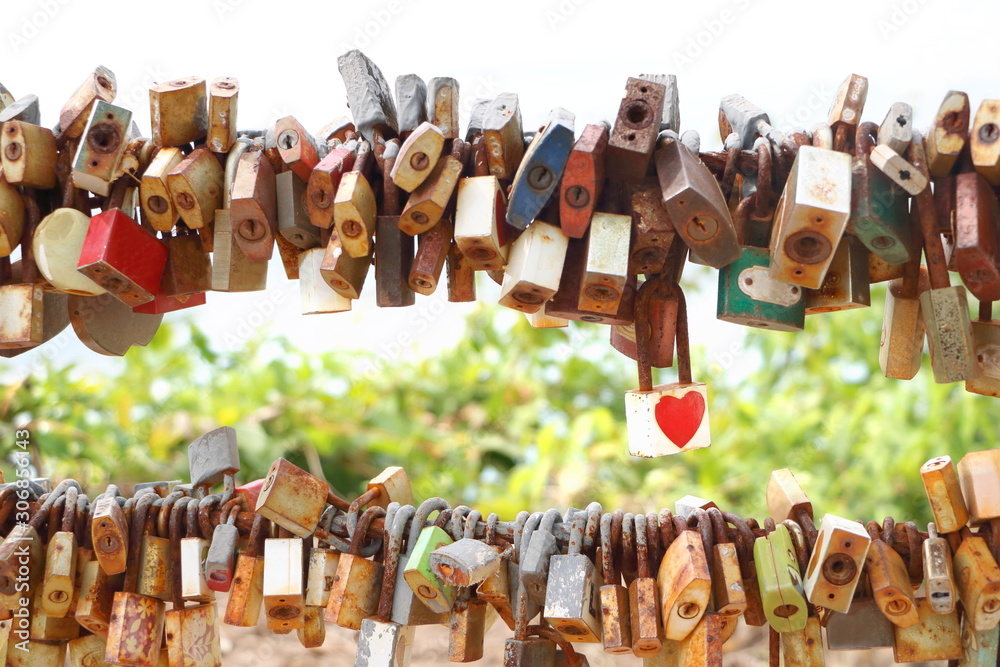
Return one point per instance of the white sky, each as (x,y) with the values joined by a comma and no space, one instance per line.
(787,57)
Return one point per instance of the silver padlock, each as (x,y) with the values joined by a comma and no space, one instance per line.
(465,562)
(571,601)
(407,609)
(221,556)
(541,547)
(213,458)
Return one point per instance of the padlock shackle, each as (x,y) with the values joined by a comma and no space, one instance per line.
(659,287)
(358,536)
(393,540)
(628,548)
(576,533)
(607,552)
(641,545)
(799,543)
(135,534)
(546,632)
(865,138)
(179,516)
(471,521)
(594,512)
(937,264)
(192,527)
(456,522)
(519,523)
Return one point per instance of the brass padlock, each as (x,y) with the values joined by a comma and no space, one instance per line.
(99,85)
(254,206)
(354,209)
(109,532)
(196,189)
(442,105)
(297,148)
(357,584)
(232,269)
(643,602)
(96,598)
(616,621)
(633,137)
(978,578)
(845,111)
(428,202)
(247,594)
(223,97)
(729,595)
(891,584)
(102,148)
(59,584)
(321,189)
(949,133)
(685,585)
(292,498)
(158,205)
(934,637)
(944,494)
(902,344)
(418,156)
(835,565)
(502,132)
(704,645)
(178,111)
(28,155)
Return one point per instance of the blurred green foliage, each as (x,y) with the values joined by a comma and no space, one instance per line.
(516,418)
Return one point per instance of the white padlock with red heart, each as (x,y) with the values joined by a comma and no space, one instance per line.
(669,419)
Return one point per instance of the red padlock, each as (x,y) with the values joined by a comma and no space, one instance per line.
(251,490)
(123,258)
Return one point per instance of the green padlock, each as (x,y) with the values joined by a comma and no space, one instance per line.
(749,296)
(421,578)
(879,215)
(780,581)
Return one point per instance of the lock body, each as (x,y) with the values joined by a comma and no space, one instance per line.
(178,111)
(534,267)
(539,172)
(836,563)
(123,258)
(748,295)
(292,498)
(944,494)
(571,598)
(669,419)
(223,99)
(193,636)
(284,604)
(845,285)
(934,637)
(685,585)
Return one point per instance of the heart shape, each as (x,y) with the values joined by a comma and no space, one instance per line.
(679,418)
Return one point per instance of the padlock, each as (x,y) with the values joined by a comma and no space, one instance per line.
(123,258)
(502,132)
(863,626)
(811,216)
(292,498)
(37,653)
(154,194)
(574,288)
(845,285)
(845,112)
(87,651)
(425,585)
(979,647)
(835,565)
(944,494)
(465,562)
(729,595)
(178,111)
(109,533)
(344,274)
(949,133)
(219,560)
(470,616)
(193,636)
(495,589)
(99,85)
(432,252)
(293,219)
(978,475)
(480,222)
(571,602)
(606,264)
(105,141)
(187,275)
(670,418)
(978,579)
(523,650)
(357,584)
(685,585)
(534,267)
(418,156)
(652,228)
(429,200)
(780,581)
(297,148)
(407,606)
(748,295)
(28,155)
(324,182)
(411,103)
(312,634)
(136,626)
(191,568)
(59,582)
(461,276)
(902,345)
(984,146)
(442,105)
(633,137)
(703,646)
(616,621)
(157,562)
(253,206)
(340,129)
(934,637)
(247,594)
(223,98)
(316,294)
(975,235)
(196,186)
(896,129)
(643,602)
(536,556)
(785,498)
(108,326)
(214,457)
(57,243)
(284,581)
(393,252)
(539,172)
(695,205)
(12,217)
(22,561)
(232,270)
(890,584)
(744,119)
(939,575)
(368,95)
(898,169)
(320,572)
(49,628)
(354,209)
(96,598)
(878,211)
(583,180)
(985,378)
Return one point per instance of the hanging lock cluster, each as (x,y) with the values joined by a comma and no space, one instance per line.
(114,230)
(95,578)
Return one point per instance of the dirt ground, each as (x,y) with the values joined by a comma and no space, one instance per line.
(256,647)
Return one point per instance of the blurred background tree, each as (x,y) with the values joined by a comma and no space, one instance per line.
(515,418)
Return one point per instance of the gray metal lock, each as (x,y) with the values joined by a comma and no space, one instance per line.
(411,98)
(368,94)
(214,457)
(571,601)
(221,554)
(406,608)
(541,547)
(863,626)
(383,642)
(465,562)
(24,110)
(293,218)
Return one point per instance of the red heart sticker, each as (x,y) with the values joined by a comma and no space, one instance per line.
(679,418)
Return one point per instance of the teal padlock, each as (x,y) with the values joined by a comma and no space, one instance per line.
(879,216)
(749,296)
